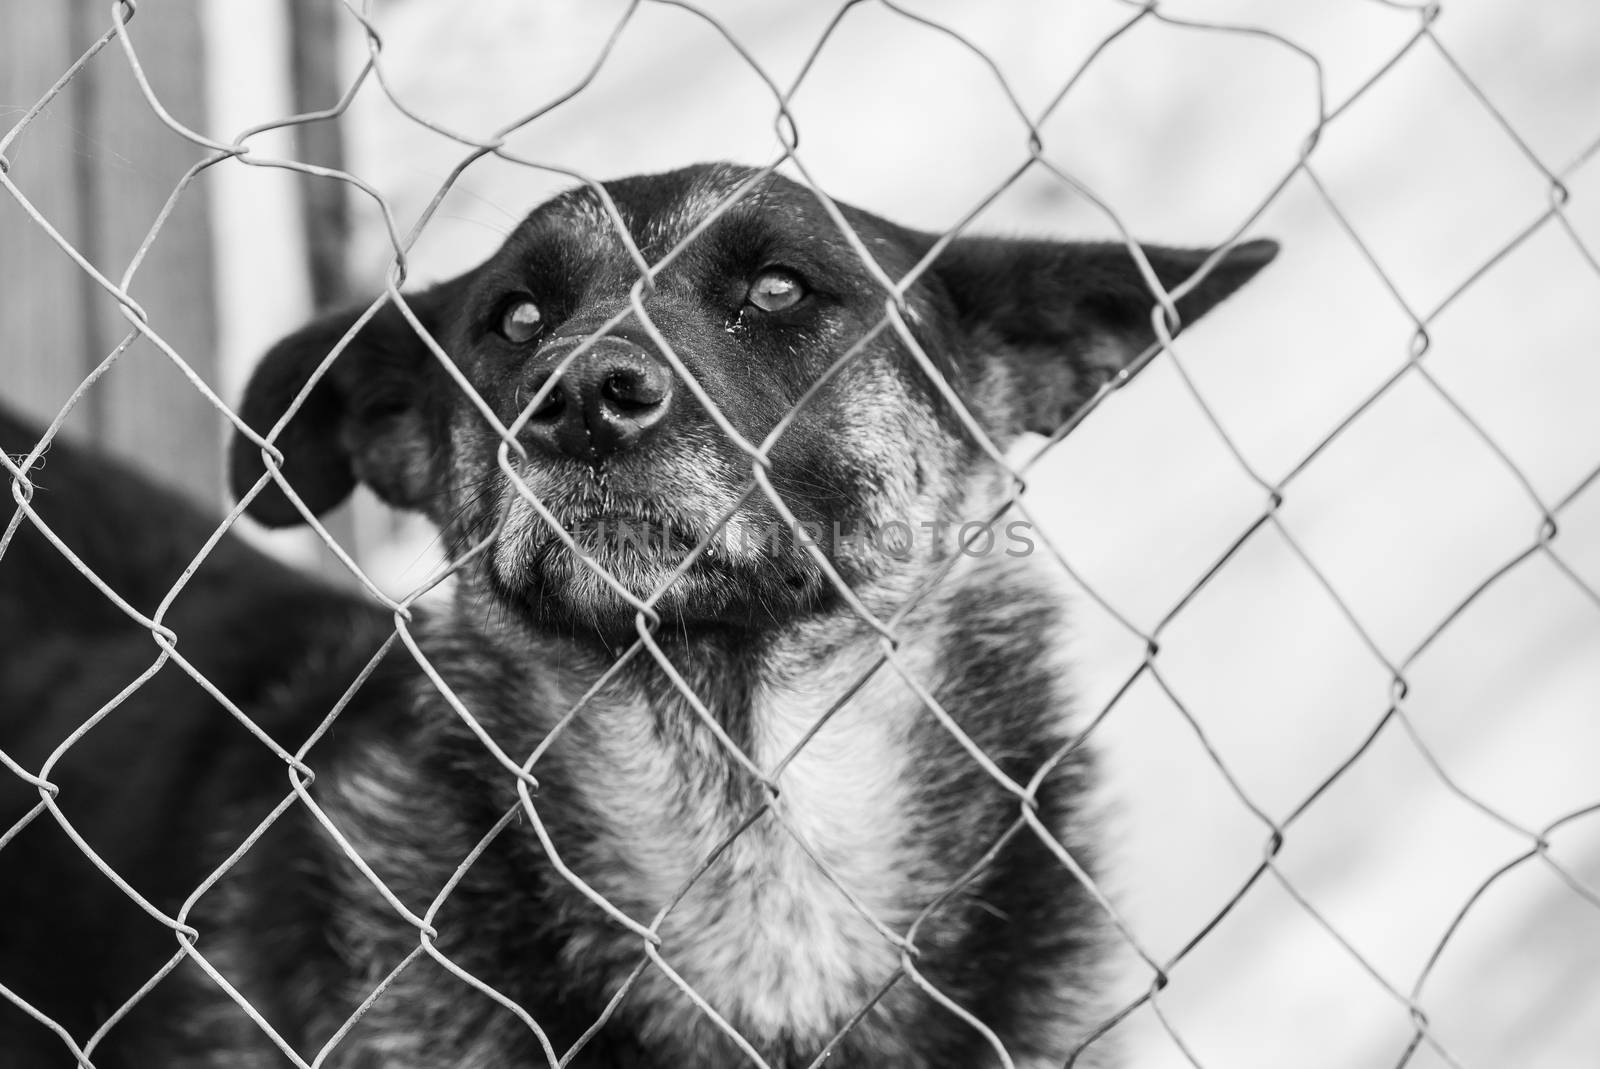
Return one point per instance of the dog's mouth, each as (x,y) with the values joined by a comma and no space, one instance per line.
(634,535)
(615,557)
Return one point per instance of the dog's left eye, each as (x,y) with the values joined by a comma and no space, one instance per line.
(521,322)
(776,289)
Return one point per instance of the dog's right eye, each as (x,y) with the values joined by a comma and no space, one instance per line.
(776,289)
(521,322)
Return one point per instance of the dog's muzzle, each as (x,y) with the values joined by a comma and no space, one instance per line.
(610,399)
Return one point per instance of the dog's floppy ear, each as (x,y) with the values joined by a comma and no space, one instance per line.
(372,417)
(1062,318)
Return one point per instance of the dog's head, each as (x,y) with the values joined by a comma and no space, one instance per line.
(764,366)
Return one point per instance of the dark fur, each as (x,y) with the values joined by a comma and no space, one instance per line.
(170,782)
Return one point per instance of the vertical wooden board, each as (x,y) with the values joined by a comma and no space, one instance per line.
(99,165)
(150,410)
(43,337)
(314,50)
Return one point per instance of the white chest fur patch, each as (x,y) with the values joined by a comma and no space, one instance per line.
(770,937)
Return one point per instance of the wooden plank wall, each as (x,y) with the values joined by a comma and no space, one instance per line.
(99,164)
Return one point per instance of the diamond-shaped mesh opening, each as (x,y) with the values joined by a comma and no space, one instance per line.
(1388,545)
(1212,1006)
(1519,311)
(1513,738)
(1207,839)
(1313,674)
(1509,189)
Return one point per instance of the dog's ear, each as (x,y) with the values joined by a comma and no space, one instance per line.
(373,416)
(1062,318)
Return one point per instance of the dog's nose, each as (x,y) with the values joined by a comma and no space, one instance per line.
(609,399)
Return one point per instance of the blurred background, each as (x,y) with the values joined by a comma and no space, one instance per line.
(1448,193)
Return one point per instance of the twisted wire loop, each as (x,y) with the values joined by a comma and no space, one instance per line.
(1157,971)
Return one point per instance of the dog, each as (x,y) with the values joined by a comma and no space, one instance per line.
(724,749)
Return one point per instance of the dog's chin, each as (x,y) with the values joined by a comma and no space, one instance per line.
(557,591)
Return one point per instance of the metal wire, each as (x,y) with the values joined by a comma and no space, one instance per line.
(653,956)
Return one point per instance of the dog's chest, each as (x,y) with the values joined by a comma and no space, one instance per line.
(782,928)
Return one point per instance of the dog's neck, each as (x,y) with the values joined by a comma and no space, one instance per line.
(762,794)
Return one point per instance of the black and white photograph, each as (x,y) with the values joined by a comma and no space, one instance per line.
(811,534)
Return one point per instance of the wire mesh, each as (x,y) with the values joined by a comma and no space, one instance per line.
(1157,970)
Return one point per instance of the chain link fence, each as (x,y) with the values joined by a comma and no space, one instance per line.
(1157,967)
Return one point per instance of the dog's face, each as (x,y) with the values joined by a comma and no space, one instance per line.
(763,367)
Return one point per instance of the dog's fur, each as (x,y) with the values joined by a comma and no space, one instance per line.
(882,811)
